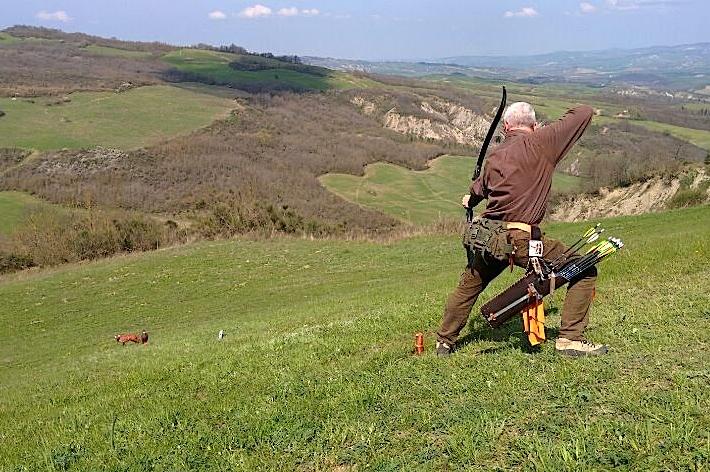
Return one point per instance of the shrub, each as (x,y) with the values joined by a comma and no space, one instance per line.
(45,237)
(686,197)
(51,237)
(236,216)
(137,233)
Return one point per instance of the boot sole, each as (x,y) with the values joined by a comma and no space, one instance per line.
(576,353)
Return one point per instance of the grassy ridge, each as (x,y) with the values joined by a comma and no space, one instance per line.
(124,120)
(417,196)
(214,66)
(315,372)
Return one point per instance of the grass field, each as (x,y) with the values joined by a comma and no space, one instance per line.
(417,196)
(214,65)
(13,208)
(316,373)
(698,137)
(6,39)
(124,120)
(116,52)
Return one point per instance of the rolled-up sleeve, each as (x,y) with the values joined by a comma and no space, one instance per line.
(476,188)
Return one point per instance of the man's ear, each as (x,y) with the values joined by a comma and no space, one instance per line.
(506,127)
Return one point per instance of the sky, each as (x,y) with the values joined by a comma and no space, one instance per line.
(379,29)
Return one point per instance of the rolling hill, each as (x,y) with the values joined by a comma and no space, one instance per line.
(126,120)
(214,141)
(418,197)
(227,154)
(327,380)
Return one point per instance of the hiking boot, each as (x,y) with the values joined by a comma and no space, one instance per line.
(579,348)
(443,349)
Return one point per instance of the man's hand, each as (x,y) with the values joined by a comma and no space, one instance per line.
(465,200)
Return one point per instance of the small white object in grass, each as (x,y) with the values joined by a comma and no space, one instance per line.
(220,336)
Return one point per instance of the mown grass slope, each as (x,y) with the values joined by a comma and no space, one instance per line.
(124,120)
(14,206)
(417,196)
(316,372)
(214,66)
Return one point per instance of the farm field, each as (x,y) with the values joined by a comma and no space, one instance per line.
(315,372)
(130,119)
(417,196)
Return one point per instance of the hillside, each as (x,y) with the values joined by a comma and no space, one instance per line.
(419,197)
(131,119)
(327,382)
(40,61)
(164,144)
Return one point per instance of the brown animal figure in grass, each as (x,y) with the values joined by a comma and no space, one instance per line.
(132,338)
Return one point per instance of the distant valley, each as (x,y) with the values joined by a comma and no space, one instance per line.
(673,68)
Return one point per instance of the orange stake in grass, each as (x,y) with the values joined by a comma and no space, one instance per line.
(419,343)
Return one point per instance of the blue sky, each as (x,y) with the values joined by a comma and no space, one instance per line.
(384,29)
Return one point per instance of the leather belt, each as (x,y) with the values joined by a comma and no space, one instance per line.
(521,226)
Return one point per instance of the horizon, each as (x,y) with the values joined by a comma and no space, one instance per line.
(403,60)
(398,31)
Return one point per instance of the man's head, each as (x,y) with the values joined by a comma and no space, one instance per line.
(519,116)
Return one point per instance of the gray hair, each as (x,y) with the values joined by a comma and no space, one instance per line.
(519,114)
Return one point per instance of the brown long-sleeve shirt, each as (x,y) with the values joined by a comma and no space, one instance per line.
(517,175)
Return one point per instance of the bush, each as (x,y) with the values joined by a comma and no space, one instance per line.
(686,197)
(45,236)
(51,237)
(228,218)
(13,262)
(139,234)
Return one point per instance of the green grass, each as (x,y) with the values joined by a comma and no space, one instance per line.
(116,52)
(694,106)
(6,39)
(14,207)
(316,373)
(214,66)
(124,120)
(697,137)
(417,196)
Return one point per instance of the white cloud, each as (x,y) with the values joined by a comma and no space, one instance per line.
(525,12)
(255,11)
(636,4)
(622,4)
(59,15)
(586,7)
(216,15)
(627,5)
(259,10)
(292,11)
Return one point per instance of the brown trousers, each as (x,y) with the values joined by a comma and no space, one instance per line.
(575,313)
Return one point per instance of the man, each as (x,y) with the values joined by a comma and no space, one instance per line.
(516,181)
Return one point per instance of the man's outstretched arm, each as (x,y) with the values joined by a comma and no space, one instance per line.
(557,138)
